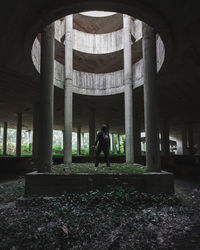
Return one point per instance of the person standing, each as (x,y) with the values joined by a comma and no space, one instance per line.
(103,141)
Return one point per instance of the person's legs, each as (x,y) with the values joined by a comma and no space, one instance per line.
(98,151)
(106,154)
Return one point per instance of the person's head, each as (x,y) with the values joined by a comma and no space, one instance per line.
(104,127)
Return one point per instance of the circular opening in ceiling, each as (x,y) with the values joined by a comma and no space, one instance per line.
(97,13)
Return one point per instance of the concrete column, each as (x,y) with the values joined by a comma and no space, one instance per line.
(111,143)
(92,134)
(128,90)
(136,129)
(184,140)
(5,128)
(124,145)
(35,132)
(46,99)
(150,99)
(190,139)
(164,129)
(118,143)
(29,140)
(1,140)
(62,140)
(19,135)
(78,140)
(82,140)
(68,90)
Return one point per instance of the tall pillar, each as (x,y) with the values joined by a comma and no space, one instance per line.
(128,90)
(46,99)
(150,99)
(164,129)
(29,140)
(35,132)
(19,135)
(136,129)
(62,141)
(68,90)
(184,140)
(5,128)
(82,140)
(1,150)
(190,139)
(92,134)
(118,143)
(78,140)
(124,145)
(112,143)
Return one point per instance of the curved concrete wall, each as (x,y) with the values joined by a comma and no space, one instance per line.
(98,43)
(36,54)
(59,29)
(160,53)
(98,84)
(136,29)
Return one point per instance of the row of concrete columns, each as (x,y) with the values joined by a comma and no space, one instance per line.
(18,137)
(186,147)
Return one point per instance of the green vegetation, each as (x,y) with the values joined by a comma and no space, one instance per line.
(115,168)
(57,149)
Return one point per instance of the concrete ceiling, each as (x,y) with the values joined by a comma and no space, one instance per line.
(98,25)
(178,82)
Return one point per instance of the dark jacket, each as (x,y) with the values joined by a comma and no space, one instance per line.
(103,139)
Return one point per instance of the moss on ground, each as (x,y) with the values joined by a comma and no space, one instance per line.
(115,168)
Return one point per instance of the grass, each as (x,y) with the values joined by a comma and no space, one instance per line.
(115,168)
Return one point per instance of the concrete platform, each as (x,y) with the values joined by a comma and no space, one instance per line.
(53,184)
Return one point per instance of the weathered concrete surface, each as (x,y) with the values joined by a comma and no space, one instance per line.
(68,82)
(150,99)
(52,184)
(46,100)
(98,44)
(98,84)
(128,89)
